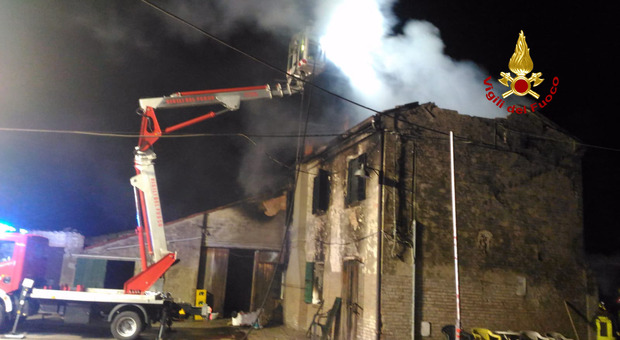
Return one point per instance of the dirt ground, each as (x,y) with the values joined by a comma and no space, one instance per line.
(50,328)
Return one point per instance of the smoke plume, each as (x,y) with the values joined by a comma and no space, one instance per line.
(390,69)
(384,69)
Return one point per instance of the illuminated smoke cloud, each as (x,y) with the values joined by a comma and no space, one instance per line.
(389,70)
(384,69)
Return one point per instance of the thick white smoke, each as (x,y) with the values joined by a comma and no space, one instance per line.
(389,70)
(384,69)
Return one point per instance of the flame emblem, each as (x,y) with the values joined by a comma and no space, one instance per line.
(521,64)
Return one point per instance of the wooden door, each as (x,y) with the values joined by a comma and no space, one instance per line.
(266,273)
(215,276)
(350,299)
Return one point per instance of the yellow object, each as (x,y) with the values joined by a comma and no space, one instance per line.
(604,328)
(201,300)
(484,334)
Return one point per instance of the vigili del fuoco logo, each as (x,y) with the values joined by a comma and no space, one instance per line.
(521,85)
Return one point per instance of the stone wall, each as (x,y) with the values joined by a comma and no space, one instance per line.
(519,218)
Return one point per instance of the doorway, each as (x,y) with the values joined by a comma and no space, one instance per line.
(239,281)
(351,309)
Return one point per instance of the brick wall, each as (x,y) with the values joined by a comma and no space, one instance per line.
(396,296)
(519,214)
(519,217)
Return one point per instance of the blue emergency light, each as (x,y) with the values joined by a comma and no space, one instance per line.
(6,228)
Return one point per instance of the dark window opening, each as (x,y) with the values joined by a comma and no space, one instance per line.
(239,281)
(320,192)
(102,273)
(356,181)
(6,250)
(117,273)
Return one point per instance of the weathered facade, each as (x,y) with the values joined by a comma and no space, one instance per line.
(372,224)
(243,238)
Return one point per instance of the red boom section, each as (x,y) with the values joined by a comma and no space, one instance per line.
(149,130)
(143,281)
(145,186)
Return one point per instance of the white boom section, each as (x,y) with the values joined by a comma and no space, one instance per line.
(96,295)
(229,98)
(146,181)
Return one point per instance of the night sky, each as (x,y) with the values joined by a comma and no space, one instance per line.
(82,66)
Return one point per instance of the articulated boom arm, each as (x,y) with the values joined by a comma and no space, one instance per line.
(151,222)
(148,206)
(230,99)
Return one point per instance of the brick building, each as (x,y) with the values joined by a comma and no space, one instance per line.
(372,224)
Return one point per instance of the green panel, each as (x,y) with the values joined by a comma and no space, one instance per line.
(90,273)
(309,282)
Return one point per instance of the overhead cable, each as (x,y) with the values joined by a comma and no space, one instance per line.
(256,59)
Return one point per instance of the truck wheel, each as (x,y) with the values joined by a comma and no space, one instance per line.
(126,325)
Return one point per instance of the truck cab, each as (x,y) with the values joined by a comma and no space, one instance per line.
(21,256)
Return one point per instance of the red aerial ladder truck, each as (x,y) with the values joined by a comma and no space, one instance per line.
(130,310)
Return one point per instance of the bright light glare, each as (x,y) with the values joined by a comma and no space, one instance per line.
(387,68)
(353,39)
(7,228)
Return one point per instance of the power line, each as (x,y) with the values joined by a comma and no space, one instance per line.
(247,135)
(277,69)
(180,135)
(74,132)
(301,142)
(250,136)
(256,59)
(527,134)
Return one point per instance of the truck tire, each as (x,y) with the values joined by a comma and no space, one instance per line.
(126,325)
